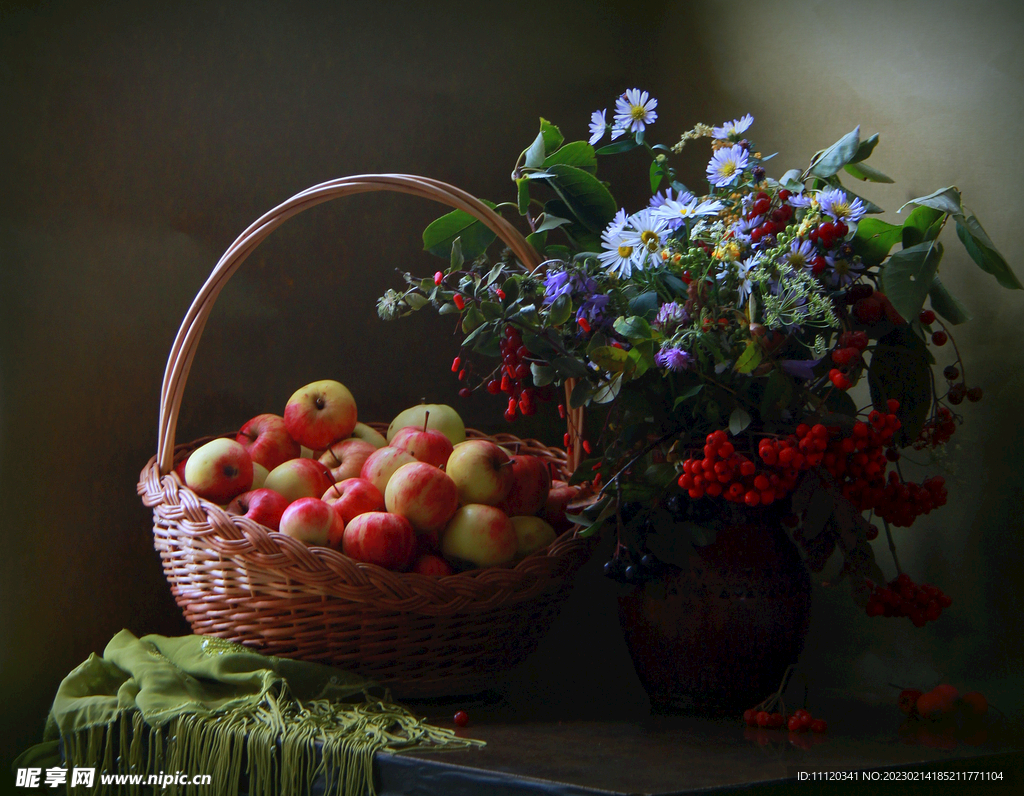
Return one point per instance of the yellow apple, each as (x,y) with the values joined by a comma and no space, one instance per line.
(439,417)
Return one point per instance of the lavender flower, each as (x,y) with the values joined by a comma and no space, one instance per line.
(730,131)
(670,316)
(727,165)
(674,359)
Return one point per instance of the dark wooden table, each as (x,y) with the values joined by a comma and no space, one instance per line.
(866,749)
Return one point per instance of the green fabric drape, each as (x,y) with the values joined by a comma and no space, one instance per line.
(203,705)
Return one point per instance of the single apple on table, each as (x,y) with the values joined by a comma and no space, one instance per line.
(382,463)
(219,471)
(482,472)
(381,538)
(264,506)
(426,444)
(268,441)
(299,478)
(442,418)
(531,482)
(368,434)
(423,494)
(532,534)
(320,413)
(479,536)
(312,522)
(354,496)
(345,458)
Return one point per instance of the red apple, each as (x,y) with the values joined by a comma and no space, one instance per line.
(320,413)
(219,471)
(345,459)
(555,506)
(264,506)
(423,494)
(268,441)
(481,471)
(382,463)
(299,478)
(531,482)
(430,564)
(259,475)
(426,444)
(311,521)
(481,536)
(354,496)
(380,538)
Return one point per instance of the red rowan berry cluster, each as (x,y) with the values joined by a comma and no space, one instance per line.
(859,460)
(775,221)
(511,377)
(902,502)
(937,431)
(800,721)
(846,356)
(922,603)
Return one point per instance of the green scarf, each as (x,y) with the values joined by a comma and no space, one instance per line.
(198,705)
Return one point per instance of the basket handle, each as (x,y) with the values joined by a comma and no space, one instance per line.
(183,351)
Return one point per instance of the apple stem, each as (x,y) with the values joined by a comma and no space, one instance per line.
(337,491)
(426,418)
(505,463)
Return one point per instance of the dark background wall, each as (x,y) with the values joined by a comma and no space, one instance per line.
(139,139)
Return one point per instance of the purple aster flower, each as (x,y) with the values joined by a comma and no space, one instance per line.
(801,252)
(593,307)
(800,368)
(734,129)
(843,272)
(727,165)
(634,110)
(598,126)
(673,359)
(837,204)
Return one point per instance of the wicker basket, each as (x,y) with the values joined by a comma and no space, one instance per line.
(422,636)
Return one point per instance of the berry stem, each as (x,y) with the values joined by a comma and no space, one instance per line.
(892,547)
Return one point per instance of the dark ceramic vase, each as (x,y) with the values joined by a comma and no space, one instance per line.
(715,637)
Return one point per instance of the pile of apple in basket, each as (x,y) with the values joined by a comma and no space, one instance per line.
(424,499)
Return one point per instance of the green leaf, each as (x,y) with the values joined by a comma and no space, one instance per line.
(749,359)
(791,181)
(656,175)
(523,195)
(440,234)
(633,328)
(862,171)
(946,304)
(457,259)
(610,358)
(921,226)
(416,300)
(907,276)
(581,394)
(836,156)
(641,359)
(472,320)
(511,288)
(874,240)
(839,402)
(686,395)
(578,153)
(537,240)
(645,305)
(624,145)
(738,420)
(448,309)
(946,200)
(560,310)
(983,252)
(899,369)
(551,222)
(778,392)
(571,367)
(492,310)
(586,196)
(609,391)
(542,374)
(535,152)
(869,206)
(552,135)
(865,148)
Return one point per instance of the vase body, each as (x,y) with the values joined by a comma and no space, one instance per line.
(715,636)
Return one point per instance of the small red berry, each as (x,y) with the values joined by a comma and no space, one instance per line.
(940,337)
(750,716)
(819,725)
(438,276)
(584,324)
(459,301)
(465,392)
(461,719)
(927,317)
(794,724)
(762,718)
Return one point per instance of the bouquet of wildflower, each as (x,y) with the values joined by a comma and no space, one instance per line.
(713,337)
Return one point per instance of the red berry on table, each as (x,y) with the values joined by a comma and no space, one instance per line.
(974,703)
(461,719)
(750,716)
(763,718)
(775,720)
(794,724)
(819,725)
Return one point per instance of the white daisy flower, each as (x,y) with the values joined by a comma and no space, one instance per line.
(634,110)
(598,126)
(646,233)
(734,129)
(675,209)
(727,165)
(618,256)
